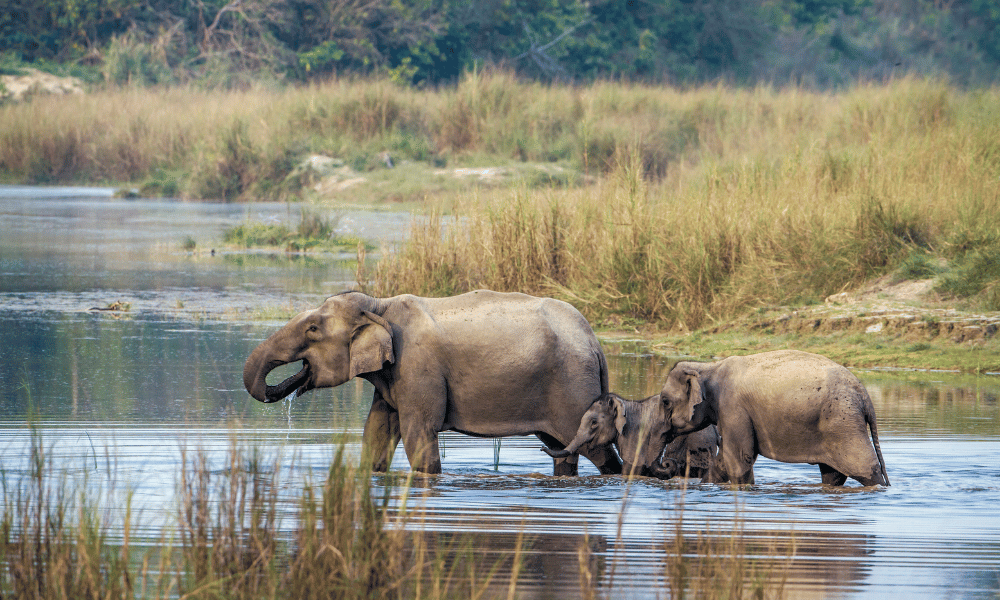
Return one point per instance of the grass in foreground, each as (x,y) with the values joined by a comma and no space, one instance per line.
(60,539)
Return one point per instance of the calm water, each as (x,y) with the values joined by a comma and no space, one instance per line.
(141,386)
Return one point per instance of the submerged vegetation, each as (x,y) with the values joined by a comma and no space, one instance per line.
(239,531)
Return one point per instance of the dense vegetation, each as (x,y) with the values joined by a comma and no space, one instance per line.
(231,42)
(689,206)
(722,201)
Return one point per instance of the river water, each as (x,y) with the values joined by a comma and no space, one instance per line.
(166,375)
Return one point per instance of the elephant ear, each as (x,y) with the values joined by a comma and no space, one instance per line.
(618,406)
(694,393)
(681,393)
(371,345)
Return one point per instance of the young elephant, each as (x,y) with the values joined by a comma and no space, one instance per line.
(692,454)
(639,429)
(787,405)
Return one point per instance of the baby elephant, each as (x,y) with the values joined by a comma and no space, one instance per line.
(639,429)
(692,455)
(787,405)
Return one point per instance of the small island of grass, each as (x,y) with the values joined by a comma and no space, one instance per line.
(313,234)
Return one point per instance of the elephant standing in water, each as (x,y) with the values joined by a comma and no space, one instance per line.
(639,429)
(482,363)
(692,454)
(786,405)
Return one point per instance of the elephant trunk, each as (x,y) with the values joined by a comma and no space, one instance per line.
(255,373)
(567,451)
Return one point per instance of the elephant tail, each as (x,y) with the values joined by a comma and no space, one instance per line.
(603,362)
(870,418)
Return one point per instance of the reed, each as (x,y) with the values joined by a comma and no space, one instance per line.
(703,565)
(240,531)
(700,204)
(228,540)
(55,543)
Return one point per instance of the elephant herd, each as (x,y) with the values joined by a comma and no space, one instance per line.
(499,364)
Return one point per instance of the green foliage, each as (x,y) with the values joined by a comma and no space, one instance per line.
(815,12)
(919,264)
(220,42)
(161,184)
(127,61)
(313,233)
(322,58)
(976,274)
(985,15)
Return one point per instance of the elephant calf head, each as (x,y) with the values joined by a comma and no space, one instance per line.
(335,342)
(636,427)
(682,400)
(599,426)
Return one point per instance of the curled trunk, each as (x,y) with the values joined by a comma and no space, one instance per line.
(255,373)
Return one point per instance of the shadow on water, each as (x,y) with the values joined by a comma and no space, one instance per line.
(143,385)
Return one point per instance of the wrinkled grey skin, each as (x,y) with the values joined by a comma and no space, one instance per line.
(693,454)
(482,363)
(786,405)
(638,429)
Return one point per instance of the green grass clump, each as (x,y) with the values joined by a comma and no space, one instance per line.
(313,233)
(975,274)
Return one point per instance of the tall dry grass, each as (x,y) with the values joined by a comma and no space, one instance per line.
(245,143)
(240,531)
(791,197)
(237,533)
(703,202)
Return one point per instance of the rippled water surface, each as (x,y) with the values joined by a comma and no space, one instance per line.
(121,394)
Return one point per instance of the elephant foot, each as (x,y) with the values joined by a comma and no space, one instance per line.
(605,459)
(832,476)
(432,467)
(565,467)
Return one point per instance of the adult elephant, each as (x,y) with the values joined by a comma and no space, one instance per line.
(786,405)
(482,363)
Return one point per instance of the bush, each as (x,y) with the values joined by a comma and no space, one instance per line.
(977,273)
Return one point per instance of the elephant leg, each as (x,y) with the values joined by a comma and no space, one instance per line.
(565,466)
(420,441)
(831,476)
(605,459)
(735,462)
(381,434)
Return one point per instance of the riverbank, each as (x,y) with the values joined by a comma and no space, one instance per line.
(665,210)
(882,326)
